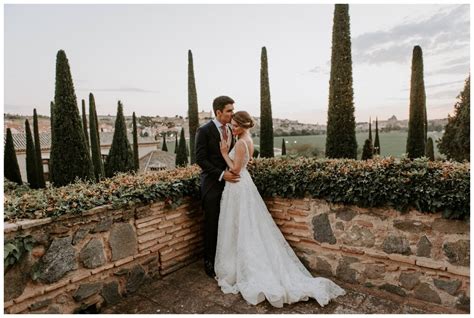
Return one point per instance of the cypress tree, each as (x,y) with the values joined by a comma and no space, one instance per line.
(341,137)
(187,149)
(181,158)
(39,162)
(84,124)
(430,149)
(256,153)
(31,162)
(69,155)
(164,147)
(136,160)
(176,144)
(426,124)
(416,123)
(266,120)
(367,151)
(283,147)
(120,158)
(377,140)
(192,107)
(455,141)
(50,164)
(11,169)
(95,142)
(370,129)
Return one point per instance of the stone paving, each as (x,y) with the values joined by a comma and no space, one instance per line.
(189,291)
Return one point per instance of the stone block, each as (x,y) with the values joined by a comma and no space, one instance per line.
(449,286)
(93,254)
(458,252)
(322,229)
(122,240)
(396,244)
(424,292)
(86,290)
(58,260)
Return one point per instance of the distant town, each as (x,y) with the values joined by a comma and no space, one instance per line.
(149,126)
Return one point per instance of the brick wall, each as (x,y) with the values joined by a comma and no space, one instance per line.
(101,255)
(415,255)
(97,257)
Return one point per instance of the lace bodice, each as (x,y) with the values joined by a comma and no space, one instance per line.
(246,157)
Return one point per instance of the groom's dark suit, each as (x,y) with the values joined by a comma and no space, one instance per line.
(209,158)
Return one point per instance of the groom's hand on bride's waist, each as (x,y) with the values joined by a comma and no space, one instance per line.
(231,177)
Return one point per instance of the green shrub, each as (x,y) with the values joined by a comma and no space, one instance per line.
(428,186)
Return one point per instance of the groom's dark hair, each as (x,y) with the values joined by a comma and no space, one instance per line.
(220,102)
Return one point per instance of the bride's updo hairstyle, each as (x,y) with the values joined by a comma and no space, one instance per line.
(243,119)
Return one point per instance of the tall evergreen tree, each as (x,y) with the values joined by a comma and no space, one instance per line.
(192,107)
(256,153)
(84,125)
(266,119)
(181,158)
(176,144)
(50,164)
(426,124)
(370,129)
(31,162)
(39,161)
(283,147)
(367,151)
(69,155)
(11,169)
(416,123)
(430,149)
(377,140)
(455,141)
(95,142)
(164,147)
(120,158)
(136,161)
(341,137)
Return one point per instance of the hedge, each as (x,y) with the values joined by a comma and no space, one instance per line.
(428,186)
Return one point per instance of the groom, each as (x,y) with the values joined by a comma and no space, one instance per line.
(214,172)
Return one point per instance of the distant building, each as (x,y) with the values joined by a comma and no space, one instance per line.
(157,160)
(145,146)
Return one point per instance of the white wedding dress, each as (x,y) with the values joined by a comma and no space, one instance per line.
(252,255)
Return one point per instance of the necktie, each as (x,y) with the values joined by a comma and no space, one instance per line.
(224,132)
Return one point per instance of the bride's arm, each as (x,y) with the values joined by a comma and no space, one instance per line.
(234,165)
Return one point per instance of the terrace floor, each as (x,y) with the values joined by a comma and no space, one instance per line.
(190,290)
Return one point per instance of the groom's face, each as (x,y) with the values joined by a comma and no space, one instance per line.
(226,114)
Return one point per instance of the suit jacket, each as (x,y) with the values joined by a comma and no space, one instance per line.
(209,157)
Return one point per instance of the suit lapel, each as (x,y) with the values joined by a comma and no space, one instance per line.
(214,130)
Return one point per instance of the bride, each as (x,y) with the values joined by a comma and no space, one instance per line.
(252,255)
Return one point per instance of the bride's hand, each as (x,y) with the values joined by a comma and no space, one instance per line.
(224,147)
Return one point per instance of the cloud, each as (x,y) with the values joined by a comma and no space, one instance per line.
(458,69)
(446,30)
(121,89)
(446,94)
(319,70)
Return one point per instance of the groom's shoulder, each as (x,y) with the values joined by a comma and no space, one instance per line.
(206,126)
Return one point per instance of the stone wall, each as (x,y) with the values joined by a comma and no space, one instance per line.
(98,257)
(414,254)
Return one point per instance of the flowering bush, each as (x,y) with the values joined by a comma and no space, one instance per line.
(428,186)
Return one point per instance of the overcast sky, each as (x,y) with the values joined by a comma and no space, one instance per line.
(138,54)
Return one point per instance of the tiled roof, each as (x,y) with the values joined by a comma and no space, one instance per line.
(19,140)
(157,159)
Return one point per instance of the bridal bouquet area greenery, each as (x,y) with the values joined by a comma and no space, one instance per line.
(428,186)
